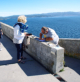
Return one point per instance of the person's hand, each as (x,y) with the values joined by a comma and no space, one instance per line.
(41,38)
(2,33)
(25,33)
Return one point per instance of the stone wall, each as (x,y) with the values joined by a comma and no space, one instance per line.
(71,46)
(46,53)
(51,57)
(7,30)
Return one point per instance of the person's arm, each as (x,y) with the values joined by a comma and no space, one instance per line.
(40,37)
(1,32)
(17,32)
(49,39)
(25,33)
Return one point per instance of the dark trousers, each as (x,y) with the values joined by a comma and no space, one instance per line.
(19,50)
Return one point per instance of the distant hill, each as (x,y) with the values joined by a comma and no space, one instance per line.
(54,14)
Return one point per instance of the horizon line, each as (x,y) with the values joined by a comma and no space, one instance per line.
(41,13)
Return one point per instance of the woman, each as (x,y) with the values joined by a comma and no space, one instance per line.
(19,35)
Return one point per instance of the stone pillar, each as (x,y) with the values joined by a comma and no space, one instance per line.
(49,56)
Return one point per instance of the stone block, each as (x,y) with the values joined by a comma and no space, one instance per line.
(51,57)
(58,53)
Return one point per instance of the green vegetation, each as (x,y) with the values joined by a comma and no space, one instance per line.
(62,70)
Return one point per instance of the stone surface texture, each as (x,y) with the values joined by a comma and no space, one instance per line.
(51,57)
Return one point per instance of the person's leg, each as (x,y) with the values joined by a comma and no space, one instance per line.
(22,52)
(19,46)
(0,45)
(18,51)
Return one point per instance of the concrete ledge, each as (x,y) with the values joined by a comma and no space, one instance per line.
(7,30)
(51,57)
(71,46)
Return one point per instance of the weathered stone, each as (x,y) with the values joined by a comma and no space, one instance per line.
(71,46)
(49,56)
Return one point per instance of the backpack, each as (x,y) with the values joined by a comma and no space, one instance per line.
(23,28)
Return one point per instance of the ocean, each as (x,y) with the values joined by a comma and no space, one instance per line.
(65,27)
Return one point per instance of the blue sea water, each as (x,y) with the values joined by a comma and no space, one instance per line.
(65,27)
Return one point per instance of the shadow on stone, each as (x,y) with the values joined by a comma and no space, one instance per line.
(30,68)
(73,63)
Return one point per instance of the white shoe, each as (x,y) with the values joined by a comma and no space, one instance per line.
(0,49)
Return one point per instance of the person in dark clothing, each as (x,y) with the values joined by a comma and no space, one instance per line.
(1,33)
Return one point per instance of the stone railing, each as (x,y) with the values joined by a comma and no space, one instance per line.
(51,57)
(7,30)
(46,53)
(71,46)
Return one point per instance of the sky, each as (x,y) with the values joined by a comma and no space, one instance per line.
(27,7)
